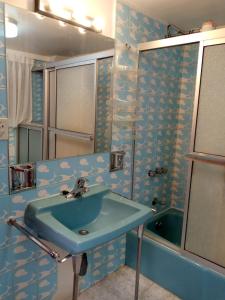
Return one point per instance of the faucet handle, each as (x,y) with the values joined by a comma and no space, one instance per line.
(151,173)
(81,182)
(64,192)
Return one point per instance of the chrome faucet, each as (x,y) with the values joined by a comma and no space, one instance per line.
(79,189)
(157,205)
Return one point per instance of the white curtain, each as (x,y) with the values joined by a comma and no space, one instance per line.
(19,81)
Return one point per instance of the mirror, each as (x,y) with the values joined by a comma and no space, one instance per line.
(59,88)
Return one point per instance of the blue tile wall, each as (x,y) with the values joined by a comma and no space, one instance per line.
(37,97)
(165,97)
(132,28)
(103,105)
(3,108)
(12,145)
(183,131)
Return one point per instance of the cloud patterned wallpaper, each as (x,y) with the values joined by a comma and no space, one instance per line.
(104,105)
(25,271)
(166,86)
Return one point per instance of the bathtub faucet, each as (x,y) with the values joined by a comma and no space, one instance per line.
(156,203)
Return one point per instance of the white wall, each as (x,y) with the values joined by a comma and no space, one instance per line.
(103,8)
(28,4)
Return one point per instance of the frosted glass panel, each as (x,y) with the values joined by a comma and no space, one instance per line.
(35,145)
(23,145)
(76,99)
(68,146)
(206,218)
(210,134)
(52,98)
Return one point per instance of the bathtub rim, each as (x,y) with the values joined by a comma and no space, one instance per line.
(157,238)
(180,250)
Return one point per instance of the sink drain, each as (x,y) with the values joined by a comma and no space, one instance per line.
(83,232)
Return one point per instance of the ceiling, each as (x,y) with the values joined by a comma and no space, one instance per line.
(47,38)
(187,14)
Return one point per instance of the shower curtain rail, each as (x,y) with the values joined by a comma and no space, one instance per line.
(206,158)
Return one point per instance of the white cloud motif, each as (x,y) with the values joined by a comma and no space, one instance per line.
(100,159)
(65,165)
(96,273)
(64,187)
(18,199)
(43,262)
(21,296)
(21,272)
(43,169)
(43,283)
(19,249)
(84,174)
(42,193)
(43,182)
(99,179)
(83,162)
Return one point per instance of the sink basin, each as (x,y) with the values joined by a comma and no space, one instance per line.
(77,225)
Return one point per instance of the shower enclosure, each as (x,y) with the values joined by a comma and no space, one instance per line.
(179,148)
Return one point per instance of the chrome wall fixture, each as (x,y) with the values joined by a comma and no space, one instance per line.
(22,177)
(158,171)
(116,160)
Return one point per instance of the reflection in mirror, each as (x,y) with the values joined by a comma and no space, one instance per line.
(59,88)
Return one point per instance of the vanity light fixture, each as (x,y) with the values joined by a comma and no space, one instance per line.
(69,12)
(11,28)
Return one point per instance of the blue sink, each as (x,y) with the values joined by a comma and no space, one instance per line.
(100,213)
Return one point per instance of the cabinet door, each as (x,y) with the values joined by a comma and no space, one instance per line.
(210,131)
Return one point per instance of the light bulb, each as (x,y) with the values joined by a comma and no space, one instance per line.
(62,24)
(58,9)
(83,20)
(11,29)
(98,23)
(81,30)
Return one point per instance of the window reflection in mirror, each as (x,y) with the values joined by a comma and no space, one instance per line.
(59,89)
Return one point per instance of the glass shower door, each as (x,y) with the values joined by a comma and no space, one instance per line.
(205,234)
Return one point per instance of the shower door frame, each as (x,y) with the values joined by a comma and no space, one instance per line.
(76,61)
(214,37)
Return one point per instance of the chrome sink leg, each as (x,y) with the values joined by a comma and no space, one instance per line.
(76,260)
(140,232)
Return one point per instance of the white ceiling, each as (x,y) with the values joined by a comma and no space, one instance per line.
(47,38)
(187,14)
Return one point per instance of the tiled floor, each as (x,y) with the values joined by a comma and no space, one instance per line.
(120,286)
